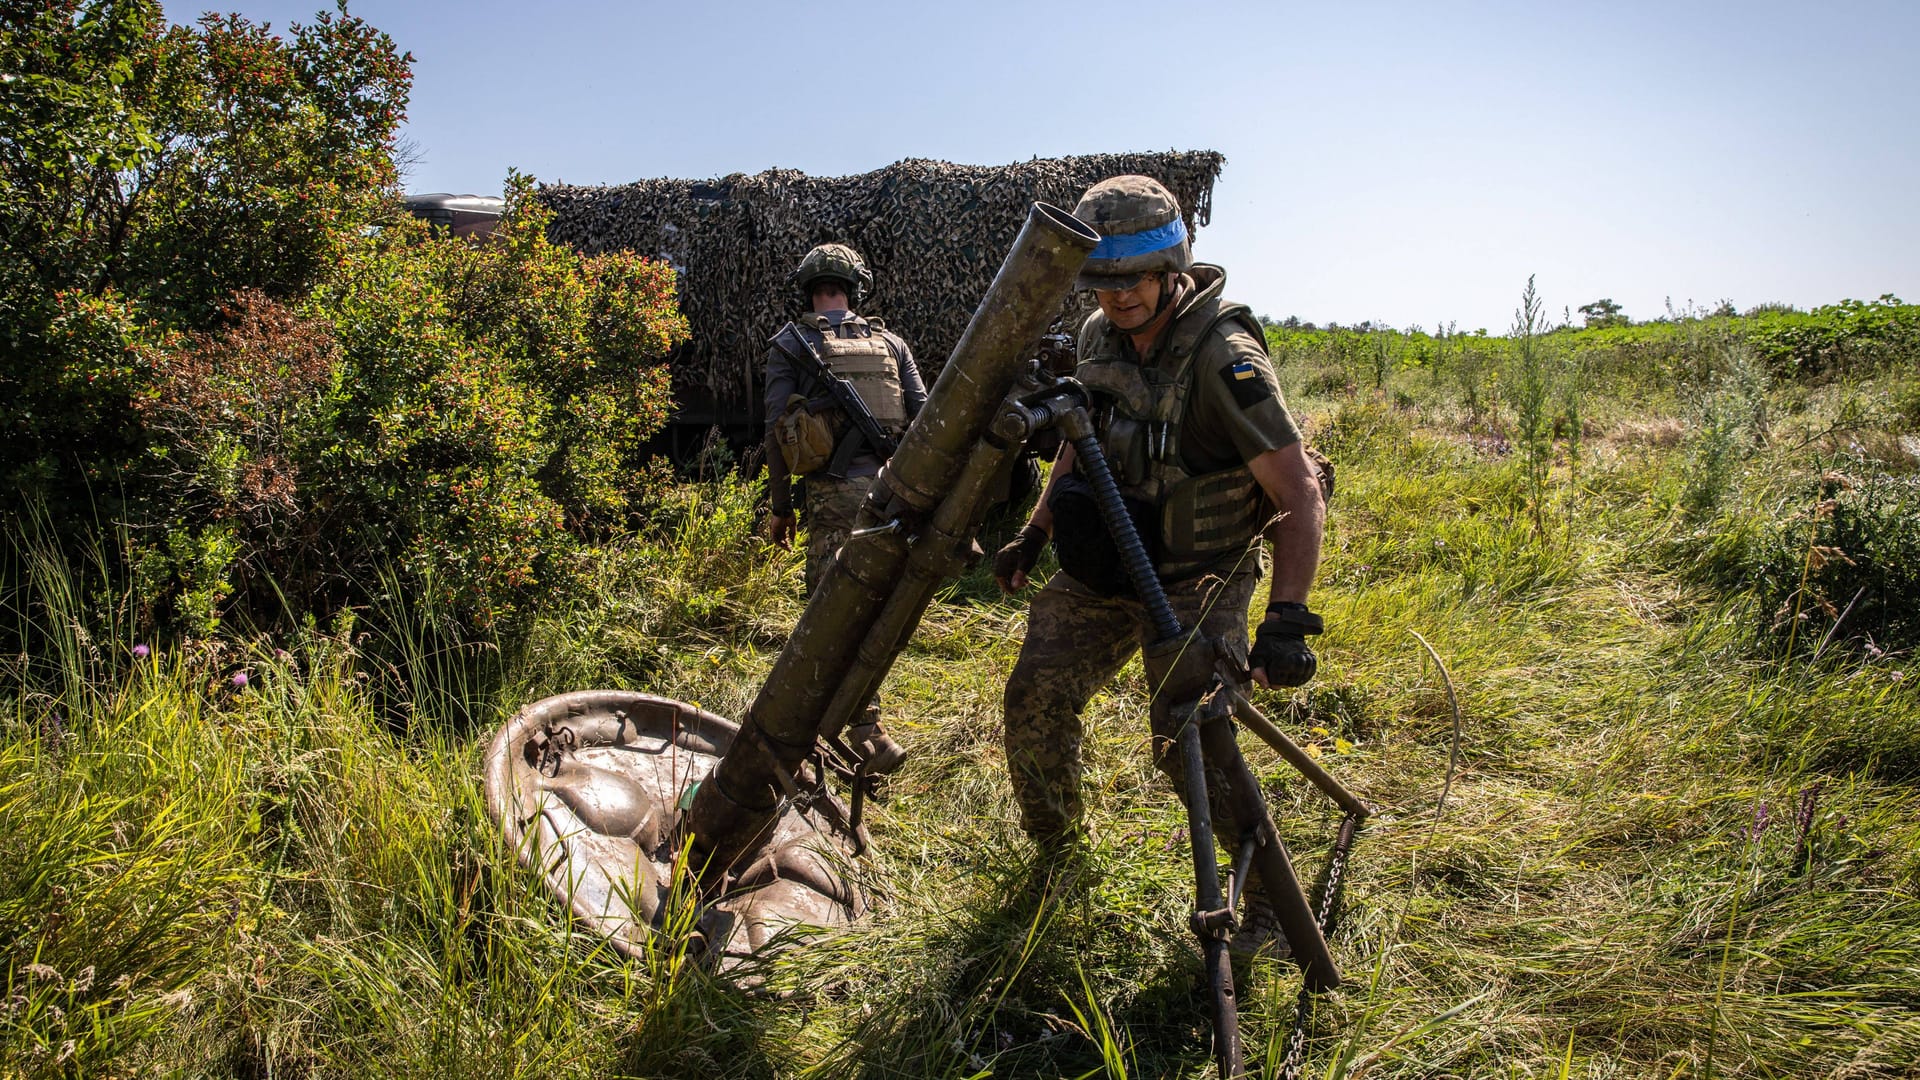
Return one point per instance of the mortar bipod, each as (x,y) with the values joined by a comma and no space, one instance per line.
(1199,678)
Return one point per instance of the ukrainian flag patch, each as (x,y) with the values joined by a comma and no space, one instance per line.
(1246,383)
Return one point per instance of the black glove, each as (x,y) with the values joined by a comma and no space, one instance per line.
(1019,556)
(1280,646)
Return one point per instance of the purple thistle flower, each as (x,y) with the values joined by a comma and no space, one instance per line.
(141,652)
(239,680)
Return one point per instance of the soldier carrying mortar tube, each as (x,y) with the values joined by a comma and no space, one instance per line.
(840,390)
(1190,418)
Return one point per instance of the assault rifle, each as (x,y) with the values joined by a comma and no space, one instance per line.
(862,428)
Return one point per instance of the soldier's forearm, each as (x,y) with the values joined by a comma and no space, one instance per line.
(1042,516)
(1293,488)
(1296,556)
(779,484)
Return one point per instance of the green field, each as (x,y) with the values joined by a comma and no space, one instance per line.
(1682,838)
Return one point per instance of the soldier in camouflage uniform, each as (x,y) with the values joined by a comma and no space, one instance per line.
(1190,418)
(879,365)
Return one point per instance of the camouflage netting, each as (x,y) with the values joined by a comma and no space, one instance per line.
(932,233)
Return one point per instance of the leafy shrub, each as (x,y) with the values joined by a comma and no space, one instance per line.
(470,411)
(150,172)
(220,333)
(1843,561)
(1848,334)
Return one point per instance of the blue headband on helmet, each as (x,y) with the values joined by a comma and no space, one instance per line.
(1127,245)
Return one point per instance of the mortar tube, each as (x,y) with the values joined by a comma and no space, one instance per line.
(934,558)
(734,808)
(1022,302)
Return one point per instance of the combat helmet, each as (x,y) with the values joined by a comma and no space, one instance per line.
(1140,232)
(836,262)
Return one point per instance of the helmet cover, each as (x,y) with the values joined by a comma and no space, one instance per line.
(835,262)
(1140,229)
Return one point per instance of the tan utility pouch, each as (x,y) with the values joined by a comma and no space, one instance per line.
(806,438)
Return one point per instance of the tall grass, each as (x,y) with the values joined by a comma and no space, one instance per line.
(1672,848)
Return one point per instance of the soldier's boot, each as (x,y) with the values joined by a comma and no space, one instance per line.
(1259,933)
(874,746)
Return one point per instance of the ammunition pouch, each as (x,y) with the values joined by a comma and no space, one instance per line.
(1209,517)
(1085,547)
(1323,471)
(806,438)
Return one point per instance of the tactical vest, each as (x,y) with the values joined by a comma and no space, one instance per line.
(1205,518)
(857,351)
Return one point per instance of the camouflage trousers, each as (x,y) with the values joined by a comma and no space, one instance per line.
(830,507)
(1076,642)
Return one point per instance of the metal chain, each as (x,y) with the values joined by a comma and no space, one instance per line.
(1292,1064)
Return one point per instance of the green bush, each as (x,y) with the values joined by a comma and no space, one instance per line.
(1837,561)
(491,402)
(227,349)
(1852,333)
(469,411)
(149,172)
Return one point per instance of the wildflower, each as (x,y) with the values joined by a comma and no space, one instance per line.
(141,652)
(240,680)
(43,973)
(1898,676)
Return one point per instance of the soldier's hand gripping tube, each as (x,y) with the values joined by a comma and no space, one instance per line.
(1212,920)
(1019,555)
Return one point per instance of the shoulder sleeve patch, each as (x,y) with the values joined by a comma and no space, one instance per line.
(1244,382)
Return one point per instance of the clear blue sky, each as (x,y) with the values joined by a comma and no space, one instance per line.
(1406,162)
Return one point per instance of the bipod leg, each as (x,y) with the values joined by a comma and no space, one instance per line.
(1270,858)
(1212,920)
(1295,1059)
(1298,758)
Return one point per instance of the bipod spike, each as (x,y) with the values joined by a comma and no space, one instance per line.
(1212,921)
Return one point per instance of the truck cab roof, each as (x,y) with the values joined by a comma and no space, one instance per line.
(460,215)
